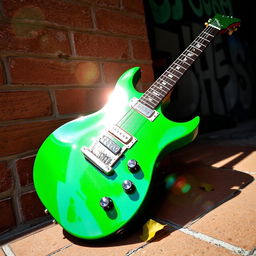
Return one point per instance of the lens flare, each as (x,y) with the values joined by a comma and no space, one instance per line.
(87,73)
(178,185)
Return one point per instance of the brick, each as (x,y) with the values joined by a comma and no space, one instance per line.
(25,170)
(7,220)
(234,221)
(43,242)
(45,71)
(101,46)
(16,105)
(83,100)
(119,22)
(56,12)
(6,177)
(31,39)
(134,6)
(178,243)
(141,50)
(112,71)
(31,205)
(20,138)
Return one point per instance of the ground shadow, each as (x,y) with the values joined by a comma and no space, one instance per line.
(186,187)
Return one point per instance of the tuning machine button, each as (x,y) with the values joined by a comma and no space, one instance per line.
(133,165)
(106,203)
(128,186)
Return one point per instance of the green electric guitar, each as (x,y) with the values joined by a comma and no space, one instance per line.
(93,174)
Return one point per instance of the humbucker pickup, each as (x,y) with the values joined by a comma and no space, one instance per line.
(147,112)
(122,135)
(110,144)
(105,151)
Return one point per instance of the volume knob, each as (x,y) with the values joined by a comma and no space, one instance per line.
(133,165)
(128,186)
(106,203)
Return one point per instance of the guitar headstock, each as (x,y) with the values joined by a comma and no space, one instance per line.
(225,23)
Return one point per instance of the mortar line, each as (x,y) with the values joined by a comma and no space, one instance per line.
(206,238)
(59,250)
(7,250)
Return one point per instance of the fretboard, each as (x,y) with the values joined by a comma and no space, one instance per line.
(165,83)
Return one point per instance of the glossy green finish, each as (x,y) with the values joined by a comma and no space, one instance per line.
(224,22)
(71,188)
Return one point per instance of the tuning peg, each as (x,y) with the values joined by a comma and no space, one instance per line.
(230,32)
(206,24)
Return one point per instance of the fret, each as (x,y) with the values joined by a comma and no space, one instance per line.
(208,37)
(172,72)
(186,56)
(198,44)
(151,99)
(190,54)
(148,104)
(156,94)
(168,85)
(149,96)
(179,66)
(168,78)
(184,61)
(207,34)
(163,85)
(204,38)
(195,50)
(178,73)
(162,88)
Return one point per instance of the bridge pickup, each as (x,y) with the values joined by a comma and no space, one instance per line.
(110,144)
(105,168)
(108,148)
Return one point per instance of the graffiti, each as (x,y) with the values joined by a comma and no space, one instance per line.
(213,85)
(174,10)
(220,82)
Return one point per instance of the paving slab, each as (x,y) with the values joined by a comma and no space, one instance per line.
(234,221)
(195,190)
(43,242)
(1,252)
(180,244)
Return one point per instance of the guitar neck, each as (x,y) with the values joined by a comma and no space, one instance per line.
(165,83)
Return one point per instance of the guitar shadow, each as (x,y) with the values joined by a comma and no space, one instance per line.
(188,184)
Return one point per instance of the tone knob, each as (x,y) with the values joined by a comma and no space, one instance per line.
(128,186)
(133,165)
(106,203)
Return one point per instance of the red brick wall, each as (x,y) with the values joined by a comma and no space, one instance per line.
(58,59)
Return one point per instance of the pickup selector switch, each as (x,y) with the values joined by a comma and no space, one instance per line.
(106,203)
(128,186)
(133,165)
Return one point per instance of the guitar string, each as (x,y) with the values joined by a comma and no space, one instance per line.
(178,61)
(131,114)
(198,39)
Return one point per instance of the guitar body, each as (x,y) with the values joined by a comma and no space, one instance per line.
(71,187)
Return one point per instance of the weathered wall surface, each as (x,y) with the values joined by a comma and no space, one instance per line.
(220,86)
